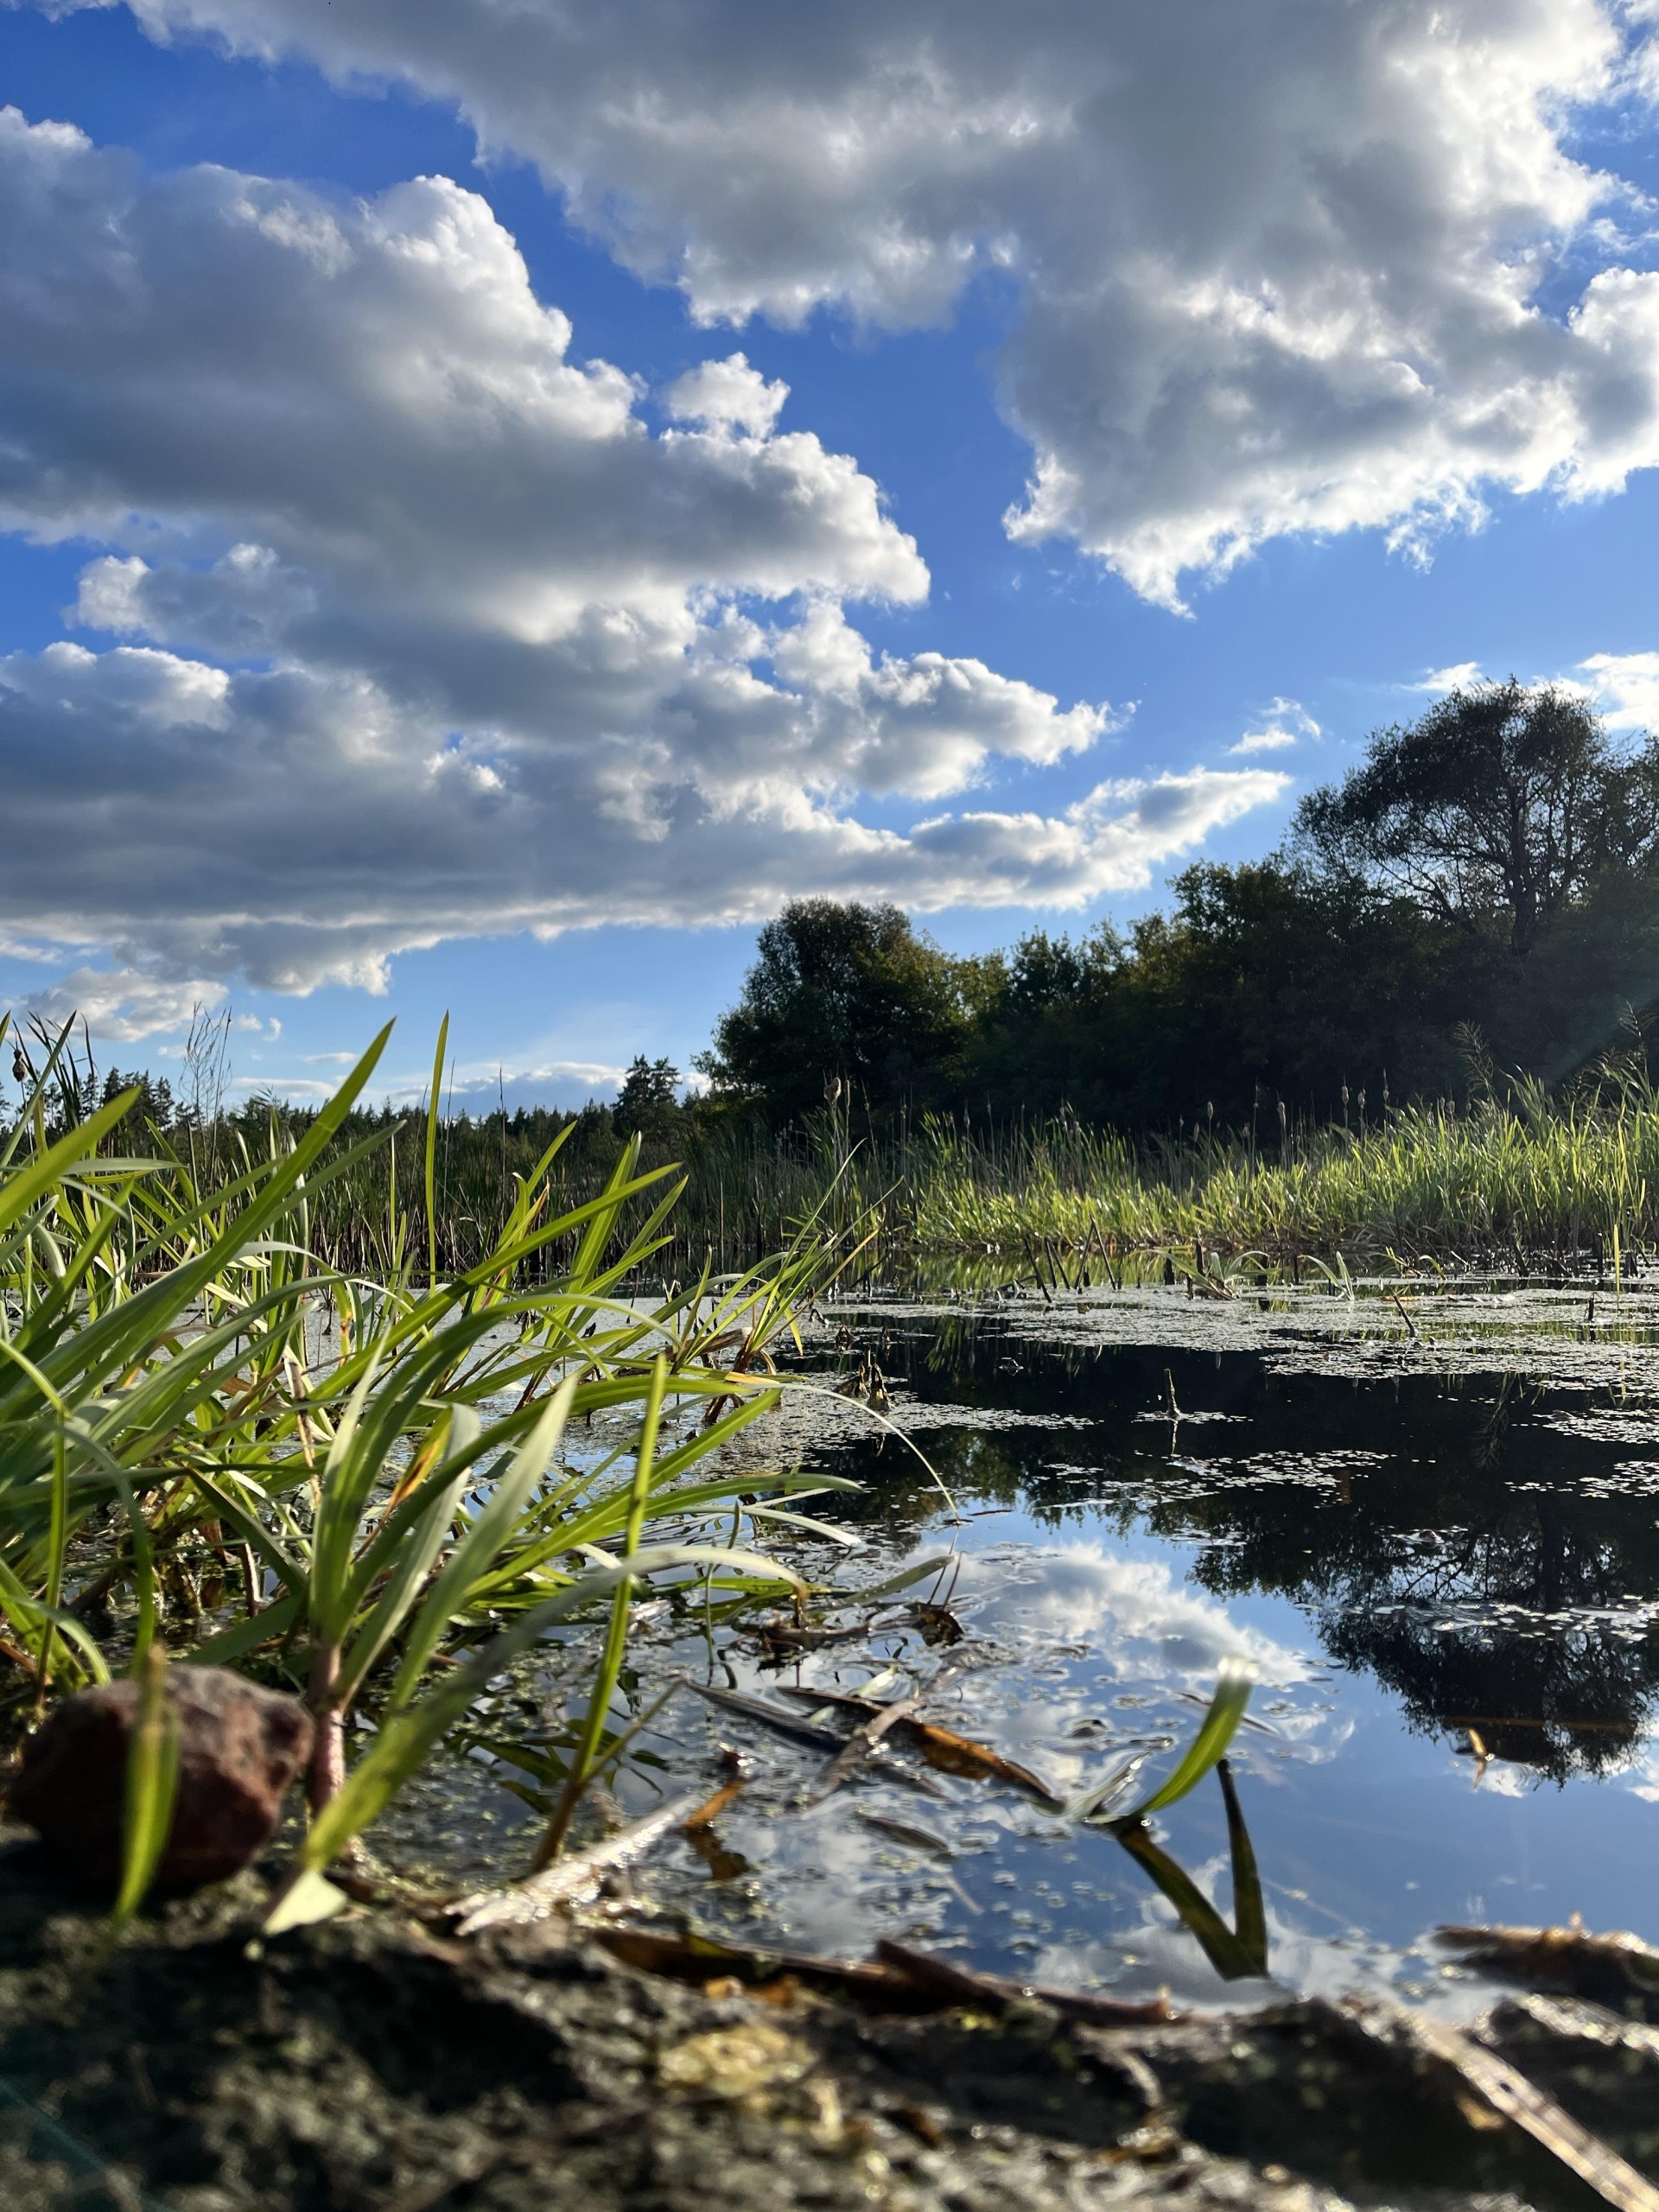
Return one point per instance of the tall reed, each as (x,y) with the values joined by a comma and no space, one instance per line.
(1547,1176)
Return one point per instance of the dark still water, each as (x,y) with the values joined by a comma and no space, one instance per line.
(1439,1553)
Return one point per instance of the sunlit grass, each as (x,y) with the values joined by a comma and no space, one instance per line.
(1532,1175)
(345,1483)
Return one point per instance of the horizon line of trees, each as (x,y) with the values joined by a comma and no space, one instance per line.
(1480,893)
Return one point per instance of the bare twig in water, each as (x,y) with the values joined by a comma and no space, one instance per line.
(992,1992)
(806,1732)
(573,1879)
(1562,1958)
(711,1807)
(941,1747)
(897,1979)
(772,1716)
(859,1747)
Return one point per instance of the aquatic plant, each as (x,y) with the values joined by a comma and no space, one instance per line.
(1533,1173)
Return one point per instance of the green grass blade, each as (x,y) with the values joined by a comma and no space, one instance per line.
(1234,1682)
(263,1627)
(1231,1958)
(432,1155)
(616,1639)
(1249,1913)
(152,1787)
(27,1186)
(407,1738)
(477,1549)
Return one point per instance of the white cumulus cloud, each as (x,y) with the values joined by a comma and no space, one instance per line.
(1287,723)
(1155,1628)
(119,1005)
(1282,265)
(1624,688)
(412,627)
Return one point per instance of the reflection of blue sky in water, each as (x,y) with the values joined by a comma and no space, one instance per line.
(1102,1570)
(1367,1836)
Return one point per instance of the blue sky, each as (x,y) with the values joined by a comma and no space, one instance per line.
(370,647)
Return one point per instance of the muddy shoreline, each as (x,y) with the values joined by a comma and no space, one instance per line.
(377,2065)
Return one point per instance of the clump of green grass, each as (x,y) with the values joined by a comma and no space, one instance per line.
(343,1482)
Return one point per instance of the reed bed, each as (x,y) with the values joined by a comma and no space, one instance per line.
(1532,1175)
(1551,1178)
(743,1189)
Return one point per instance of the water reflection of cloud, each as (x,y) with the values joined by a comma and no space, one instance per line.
(1149,1950)
(1132,1611)
(1499,1779)
(1643,1772)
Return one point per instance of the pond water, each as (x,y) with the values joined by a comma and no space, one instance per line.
(1430,1522)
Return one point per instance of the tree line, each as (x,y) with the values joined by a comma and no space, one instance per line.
(1480,894)
(1481,891)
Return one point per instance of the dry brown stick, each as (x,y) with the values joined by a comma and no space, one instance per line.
(1509,2091)
(711,1806)
(250,1576)
(1499,1939)
(805,1732)
(1100,1246)
(868,1734)
(955,1754)
(899,1977)
(571,1880)
(759,1708)
(1037,1272)
(1404,1316)
(969,1987)
(698,1958)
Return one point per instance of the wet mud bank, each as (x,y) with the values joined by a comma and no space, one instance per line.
(376,2063)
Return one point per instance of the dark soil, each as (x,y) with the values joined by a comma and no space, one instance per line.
(370,2066)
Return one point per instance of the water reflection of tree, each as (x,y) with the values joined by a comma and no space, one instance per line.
(1466,1623)
(1460,1561)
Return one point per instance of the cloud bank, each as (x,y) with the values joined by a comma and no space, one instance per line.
(1282,266)
(410,625)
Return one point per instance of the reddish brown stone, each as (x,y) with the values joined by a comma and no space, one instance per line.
(240,1748)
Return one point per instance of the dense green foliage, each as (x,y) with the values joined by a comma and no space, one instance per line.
(1483,887)
(845,1001)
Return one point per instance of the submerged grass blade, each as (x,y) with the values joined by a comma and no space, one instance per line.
(616,1640)
(405,1740)
(1232,1959)
(1249,1914)
(478,1548)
